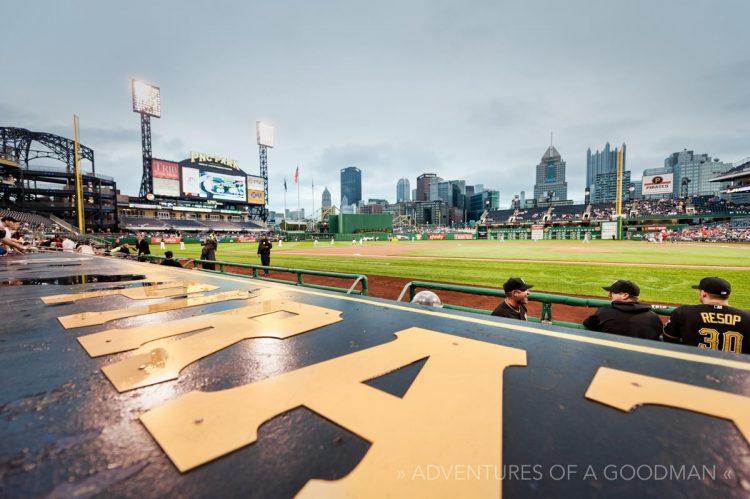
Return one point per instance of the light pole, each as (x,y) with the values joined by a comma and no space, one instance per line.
(587,195)
(631,191)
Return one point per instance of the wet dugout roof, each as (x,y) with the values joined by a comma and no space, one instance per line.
(446,407)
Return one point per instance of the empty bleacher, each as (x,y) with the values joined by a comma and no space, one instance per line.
(29,218)
(220,225)
(142,223)
(187,225)
(251,226)
(499,216)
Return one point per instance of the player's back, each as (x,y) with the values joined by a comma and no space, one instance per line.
(712,327)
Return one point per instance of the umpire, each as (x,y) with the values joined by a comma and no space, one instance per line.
(625,315)
(264,250)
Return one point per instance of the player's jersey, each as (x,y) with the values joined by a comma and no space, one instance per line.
(712,327)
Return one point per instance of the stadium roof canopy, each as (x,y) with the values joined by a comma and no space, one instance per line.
(742,171)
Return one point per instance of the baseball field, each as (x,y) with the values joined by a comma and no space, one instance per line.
(664,272)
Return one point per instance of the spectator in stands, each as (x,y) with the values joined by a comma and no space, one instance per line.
(68,245)
(264,250)
(169,260)
(713,324)
(142,247)
(85,249)
(625,315)
(516,298)
(9,226)
(122,250)
(209,251)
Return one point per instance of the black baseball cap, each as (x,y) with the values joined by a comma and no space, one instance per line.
(515,283)
(623,286)
(714,286)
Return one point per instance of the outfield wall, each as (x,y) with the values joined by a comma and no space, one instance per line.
(549,233)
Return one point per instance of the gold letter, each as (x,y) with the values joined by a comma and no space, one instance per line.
(623,390)
(451,415)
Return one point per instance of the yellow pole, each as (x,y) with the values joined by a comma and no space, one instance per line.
(618,200)
(79,180)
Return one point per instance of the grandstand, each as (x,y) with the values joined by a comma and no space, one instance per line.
(639,216)
(31,185)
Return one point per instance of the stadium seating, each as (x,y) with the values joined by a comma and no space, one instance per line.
(221,226)
(29,218)
(249,226)
(142,223)
(188,225)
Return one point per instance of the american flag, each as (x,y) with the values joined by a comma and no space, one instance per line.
(296,176)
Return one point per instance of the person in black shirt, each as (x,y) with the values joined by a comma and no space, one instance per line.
(169,260)
(264,250)
(712,325)
(625,316)
(516,298)
(142,247)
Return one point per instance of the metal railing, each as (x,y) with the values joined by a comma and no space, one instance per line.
(547,300)
(300,273)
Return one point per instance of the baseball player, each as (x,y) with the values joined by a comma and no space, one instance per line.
(713,324)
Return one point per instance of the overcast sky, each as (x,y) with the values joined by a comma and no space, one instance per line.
(465,89)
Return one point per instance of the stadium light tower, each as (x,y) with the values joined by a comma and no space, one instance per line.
(147,103)
(264,132)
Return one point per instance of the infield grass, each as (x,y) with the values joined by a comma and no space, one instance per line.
(480,263)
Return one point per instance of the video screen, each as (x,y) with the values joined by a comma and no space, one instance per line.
(214,185)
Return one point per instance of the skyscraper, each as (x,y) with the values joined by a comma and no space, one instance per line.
(423,186)
(550,177)
(693,172)
(351,185)
(603,163)
(403,192)
(326,201)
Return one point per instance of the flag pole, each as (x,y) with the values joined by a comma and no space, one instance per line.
(312,215)
(299,212)
(285,222)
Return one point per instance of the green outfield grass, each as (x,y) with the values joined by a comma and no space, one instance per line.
(460,262)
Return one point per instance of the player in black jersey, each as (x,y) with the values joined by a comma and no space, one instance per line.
(713,325)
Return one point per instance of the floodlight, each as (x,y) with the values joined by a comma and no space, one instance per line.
(265,134)
(146,99)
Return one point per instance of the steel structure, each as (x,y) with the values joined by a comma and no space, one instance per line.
(146,179)
(17,141)
(48,190)
(261,211)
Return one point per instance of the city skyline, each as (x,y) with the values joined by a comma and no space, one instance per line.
(441,88)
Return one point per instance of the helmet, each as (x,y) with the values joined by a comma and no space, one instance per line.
(427,298)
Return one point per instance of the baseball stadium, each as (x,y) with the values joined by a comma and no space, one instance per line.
(159,350)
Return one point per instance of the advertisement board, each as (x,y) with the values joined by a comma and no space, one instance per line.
(166,177)
(463,236)
(435,236)
(609,230)
(209,184)
(255,190)
(658,184)
(537,232)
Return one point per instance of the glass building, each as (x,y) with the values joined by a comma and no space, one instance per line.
(351,185)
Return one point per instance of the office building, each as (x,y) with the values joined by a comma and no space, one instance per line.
(403,190)
(351,186)
(550,178)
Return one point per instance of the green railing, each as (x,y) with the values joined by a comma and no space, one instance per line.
(257,270)
(547,300)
